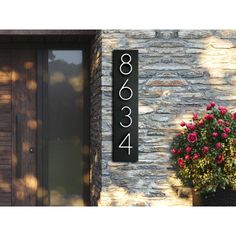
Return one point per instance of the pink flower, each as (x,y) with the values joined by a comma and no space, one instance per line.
(173,151)
(191,126)
(226,130)
(224,135)
(227,123)
(209,116)
(180,162)
(192,137)
(196,156)
(220,122)
(234,116)
(182,124)
(187,157)
(219,159)
(179,151)
(208,107)
(201,122)
(214,134)
(218,145)
(188,149)
(180,134)
(195,116)
(205,149)
(212,104)
(222,110)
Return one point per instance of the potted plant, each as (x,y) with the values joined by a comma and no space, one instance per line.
(204,156)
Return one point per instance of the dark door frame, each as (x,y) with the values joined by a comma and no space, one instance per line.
(41,40)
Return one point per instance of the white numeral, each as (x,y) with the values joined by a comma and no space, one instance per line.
(128,115)
(128,147)
(125,87)
(126,63)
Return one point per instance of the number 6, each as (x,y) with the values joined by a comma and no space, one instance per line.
(125,87)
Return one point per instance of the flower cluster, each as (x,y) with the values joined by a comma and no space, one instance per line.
(204,154)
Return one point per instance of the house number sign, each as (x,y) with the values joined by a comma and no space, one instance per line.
(125,105)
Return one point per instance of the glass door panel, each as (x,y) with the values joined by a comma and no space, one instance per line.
(65,127)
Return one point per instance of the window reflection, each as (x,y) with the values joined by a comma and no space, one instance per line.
(65,109)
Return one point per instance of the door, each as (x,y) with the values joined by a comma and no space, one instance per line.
(24,126)
(49,123)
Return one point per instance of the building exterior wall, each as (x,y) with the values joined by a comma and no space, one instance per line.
(180,71)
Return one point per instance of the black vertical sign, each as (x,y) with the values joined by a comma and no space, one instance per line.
(125,105)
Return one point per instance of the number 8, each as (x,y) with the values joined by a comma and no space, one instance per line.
(126,63)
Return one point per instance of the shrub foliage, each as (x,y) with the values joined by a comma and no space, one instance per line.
(204,153)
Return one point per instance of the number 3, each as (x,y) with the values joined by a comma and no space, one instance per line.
(128,115)
(126,63)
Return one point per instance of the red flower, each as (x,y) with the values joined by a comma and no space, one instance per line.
(191,126)
(208,107)
(226,130)
(227,123)
(173,151)
(187,157)
(224,135)
(188,149)
(235,141)
(205,149)
(222,110)
(218,145)
(212,104)
(234,116)
(179,151)
(195,116)
(180,162)
(192,137)
(201,122)
(219,159)
(220,122)
(196,156)
(209,116)
(182,124)
(214,134)
(180,134)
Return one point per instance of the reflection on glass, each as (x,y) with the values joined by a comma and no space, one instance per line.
(65,135)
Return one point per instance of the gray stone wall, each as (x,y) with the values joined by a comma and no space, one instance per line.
(180,71)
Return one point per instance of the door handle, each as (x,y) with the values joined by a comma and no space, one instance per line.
(18,145)
(31,150)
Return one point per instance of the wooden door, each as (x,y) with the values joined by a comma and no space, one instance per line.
(24,127)
(5,128)
(32,169)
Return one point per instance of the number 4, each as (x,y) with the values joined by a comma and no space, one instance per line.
(128,147)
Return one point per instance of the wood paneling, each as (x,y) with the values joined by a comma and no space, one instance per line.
(5,127)
(24,104)
(17,96)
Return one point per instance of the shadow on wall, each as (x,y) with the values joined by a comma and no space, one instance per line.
(219,60)
(179,73)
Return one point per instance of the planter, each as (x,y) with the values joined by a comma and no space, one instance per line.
(221,197)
